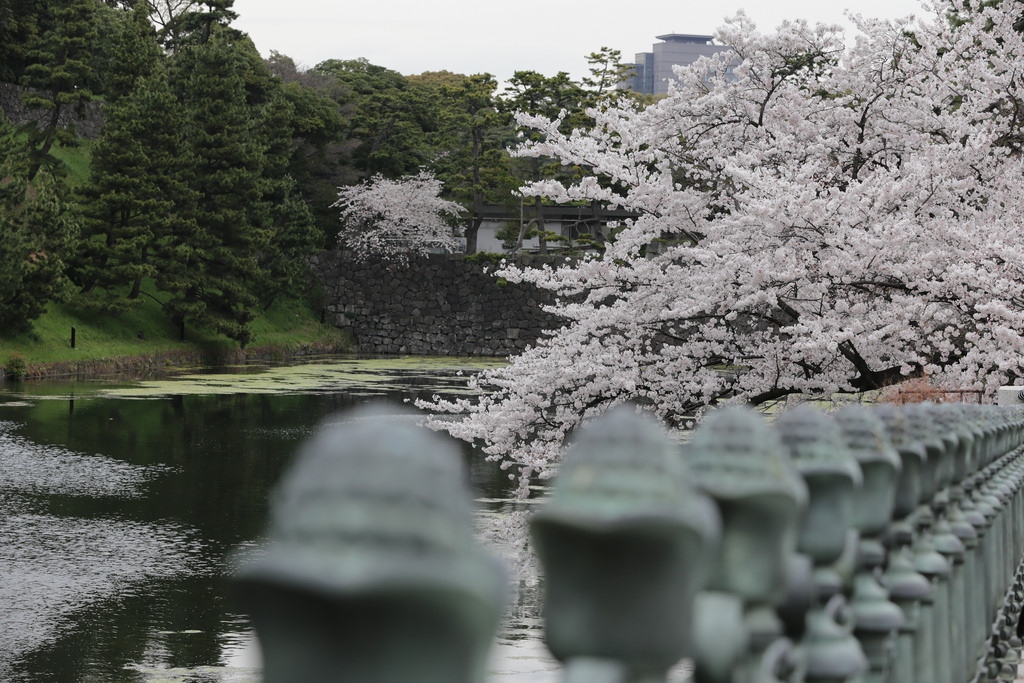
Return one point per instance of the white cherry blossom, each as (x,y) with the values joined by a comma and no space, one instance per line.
(391,219)
(822,218)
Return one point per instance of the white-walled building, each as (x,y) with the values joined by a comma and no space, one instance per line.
(653,70)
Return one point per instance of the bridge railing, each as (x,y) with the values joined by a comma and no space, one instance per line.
(876,544)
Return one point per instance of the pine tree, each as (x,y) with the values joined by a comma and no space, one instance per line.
(38,231)
(217,272)
(197,23)
(321,149)
(59,78)
(292,232)
(133,55)
(19,24)
(533,93)
(393,117)
(473,137)
(294,237)
(136,200)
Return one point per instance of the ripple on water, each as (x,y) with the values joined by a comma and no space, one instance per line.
(54,566)
(51,566)
(32,468)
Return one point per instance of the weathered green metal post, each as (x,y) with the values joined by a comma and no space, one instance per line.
(371,572)
(927,558)
(738,460)
(991,504)
(985,506)
(625,542)
(816,445)
(908,588)
(1003,484)
(971,433)
(951,417)
(943,444)
(877,620)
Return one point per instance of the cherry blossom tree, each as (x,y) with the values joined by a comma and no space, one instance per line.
(813,218)
(390,219)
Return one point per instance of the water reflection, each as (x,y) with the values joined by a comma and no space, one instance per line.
(119,505)
(31,468)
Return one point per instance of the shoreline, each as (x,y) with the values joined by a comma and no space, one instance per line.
(161,363)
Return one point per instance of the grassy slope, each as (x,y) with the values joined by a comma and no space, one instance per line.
(76,161)
(287,327)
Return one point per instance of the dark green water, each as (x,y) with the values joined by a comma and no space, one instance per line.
(120,505)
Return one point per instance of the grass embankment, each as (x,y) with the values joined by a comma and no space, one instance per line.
(76,161)
(143,339)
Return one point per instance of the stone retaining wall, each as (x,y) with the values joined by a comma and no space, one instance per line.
(438,305)
(87,127)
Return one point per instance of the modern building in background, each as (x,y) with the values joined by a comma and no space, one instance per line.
(654,69)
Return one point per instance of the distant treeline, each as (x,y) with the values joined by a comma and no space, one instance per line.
(213,176)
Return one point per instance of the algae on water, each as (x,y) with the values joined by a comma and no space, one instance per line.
(359,376)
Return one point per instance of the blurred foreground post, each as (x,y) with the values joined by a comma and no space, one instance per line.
(371,572)
(626,542)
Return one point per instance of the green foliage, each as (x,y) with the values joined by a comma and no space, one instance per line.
(320,147)
(59,77)
(192,23)
(20,23)
(39,232)
(472,142)
(535,93)
(294,238)
(291,228)
(485,257)
(607,70)
(133,53)
(137,198)
(211,269)
(15,367)
(508,233)
(392,117)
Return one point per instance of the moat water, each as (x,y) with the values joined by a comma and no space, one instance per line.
(121,503)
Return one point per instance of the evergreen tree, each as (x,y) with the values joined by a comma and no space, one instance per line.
(136,200)
(472,161)
(291,229)
(38,231)
(551,96)
(20,23)
(59,77)
(393,117)
(321,154)
(217,273)
(132,55)
(607,70)
(293,238)
(192,22)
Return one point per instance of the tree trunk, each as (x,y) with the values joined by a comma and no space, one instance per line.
(471,233)
(48,137)
(542,245)
(136,288)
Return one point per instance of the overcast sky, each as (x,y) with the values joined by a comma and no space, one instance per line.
(476,36)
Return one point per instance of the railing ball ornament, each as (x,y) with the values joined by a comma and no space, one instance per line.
(625,542)
(371,571)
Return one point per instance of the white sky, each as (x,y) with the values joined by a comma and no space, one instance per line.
(475,36)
